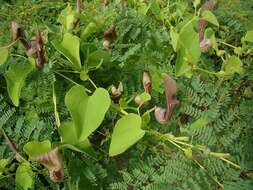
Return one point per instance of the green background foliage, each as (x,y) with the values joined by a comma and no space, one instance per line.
(214,89)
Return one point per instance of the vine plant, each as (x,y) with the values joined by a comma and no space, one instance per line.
(88,104)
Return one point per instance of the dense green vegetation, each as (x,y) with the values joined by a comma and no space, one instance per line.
(126,94)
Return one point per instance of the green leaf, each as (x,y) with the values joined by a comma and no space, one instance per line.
(238,51)
(143,8)
(210,17)
(86,111)
(155,8)
(69,47)
(189,40)
(233,65)
(15,79)
(127,132)
(89,29)
(249,36)
(96,59)
(36,148)
(174,38)
(196,3)
(84,75)
(76,101)
(199,123)
(24,176)
(67,18)
(182,67)
(3,164)
(146,118)
(157,82)
(188,153)
(144,97)
(3,55)
(68,133)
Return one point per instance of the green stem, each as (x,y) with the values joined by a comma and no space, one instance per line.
(202,167)
(11,44)
(56,114)
(67,78)
(17,55)
(92,83)
(206,71)
(229,45)
(174,142)
(123,111)
(185,144)
(229,162)
(68,71)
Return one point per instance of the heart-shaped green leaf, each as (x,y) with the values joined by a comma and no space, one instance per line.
(86,111)
(69,47)
(15,78)
(24,176)
(3,55)
(36,148)
(127,132)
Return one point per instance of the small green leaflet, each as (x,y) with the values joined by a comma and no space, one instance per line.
(36,148)
(174,38)
(3,55)
(210,17)
(3,164)
(127,132)
(69,47)
(157,82)
(196,3)
(24,176)
(188,153)
(144,97)
(249,36)
(15,78)
(155,8)
(233,65)
(143,8)
(96,58)
(86,111)
(90,28)
(199,123)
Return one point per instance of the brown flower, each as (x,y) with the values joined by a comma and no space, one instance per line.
(208,6)
(53,161)
(109,36)
(163,115)
(146,81)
